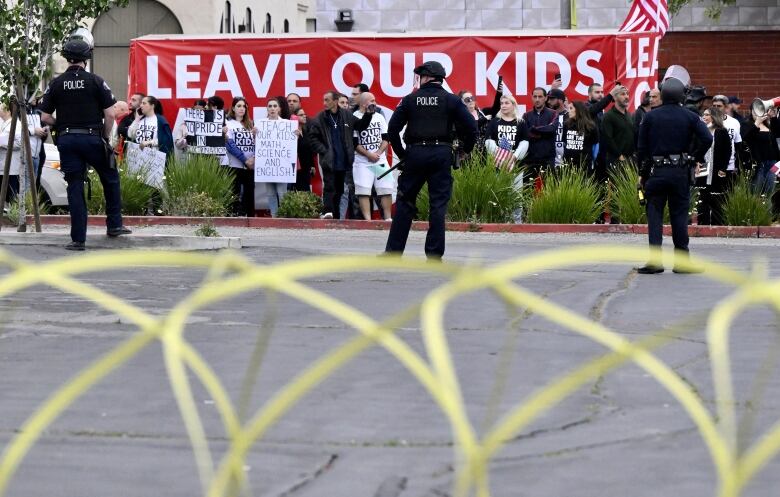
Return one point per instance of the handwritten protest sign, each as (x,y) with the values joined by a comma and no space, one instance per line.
(276,151)
(147,162)
(204,130)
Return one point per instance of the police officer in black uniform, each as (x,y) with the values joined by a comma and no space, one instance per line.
(665,138)
(430,115)
(84,107)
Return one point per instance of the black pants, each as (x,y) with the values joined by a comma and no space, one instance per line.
(13,188)
(711,197)
(668,185)
(244,191)
(333,189)
(76,151)
(423,165)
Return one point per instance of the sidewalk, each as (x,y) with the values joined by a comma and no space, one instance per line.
(267,222)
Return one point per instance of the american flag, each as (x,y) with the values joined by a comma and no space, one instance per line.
(647,15)
(504,158)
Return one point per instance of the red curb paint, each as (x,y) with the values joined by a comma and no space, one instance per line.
(769,231)
(354,224)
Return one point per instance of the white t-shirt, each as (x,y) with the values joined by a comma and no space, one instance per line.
(146,130)
(733,127)
(371,139)
(244,140)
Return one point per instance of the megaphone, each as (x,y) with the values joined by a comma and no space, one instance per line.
(761,107)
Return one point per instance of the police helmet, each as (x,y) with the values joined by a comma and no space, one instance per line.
(432,69)
(76,50)
(672,91)
(83,34)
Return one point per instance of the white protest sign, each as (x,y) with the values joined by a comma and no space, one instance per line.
(148,162)
(276,151)
(204,130)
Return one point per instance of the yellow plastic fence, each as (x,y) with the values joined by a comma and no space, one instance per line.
(230,274)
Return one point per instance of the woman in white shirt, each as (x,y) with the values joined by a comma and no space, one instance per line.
(150,128)
(276,191)
(240,144)
(16,156)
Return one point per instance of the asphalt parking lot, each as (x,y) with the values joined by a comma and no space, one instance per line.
(371,429)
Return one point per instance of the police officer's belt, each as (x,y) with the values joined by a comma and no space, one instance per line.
(431,143)
(671,161)
(81,131)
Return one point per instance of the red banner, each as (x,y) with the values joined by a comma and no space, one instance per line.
(177,70)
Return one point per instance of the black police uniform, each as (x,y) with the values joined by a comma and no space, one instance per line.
(79,99)
(430,114)
(665,138)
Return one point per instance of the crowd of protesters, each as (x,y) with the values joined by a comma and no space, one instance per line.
(346,142)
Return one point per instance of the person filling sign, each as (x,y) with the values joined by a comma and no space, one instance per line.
(276,151)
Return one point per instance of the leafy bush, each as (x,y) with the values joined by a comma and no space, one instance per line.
(197,186)
(136,195)
(480,193)
(304,205)
(569,195)
(13,208)
(622,195)
(742,207)
(207,230)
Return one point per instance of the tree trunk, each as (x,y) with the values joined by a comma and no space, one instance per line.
(28,167)
(7,165)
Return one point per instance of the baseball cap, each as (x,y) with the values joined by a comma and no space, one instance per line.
(556,93)
(734,100)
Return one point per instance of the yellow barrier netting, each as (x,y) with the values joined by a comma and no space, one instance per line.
(230,274)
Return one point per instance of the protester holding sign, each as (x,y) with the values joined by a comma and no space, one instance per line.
(580,134)
(240,143)
(150,129)
(276,154)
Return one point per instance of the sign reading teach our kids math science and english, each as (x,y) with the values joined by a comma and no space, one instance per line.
(276,151)
(178,69)
(147,162)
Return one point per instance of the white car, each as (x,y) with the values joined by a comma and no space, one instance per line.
(52,179)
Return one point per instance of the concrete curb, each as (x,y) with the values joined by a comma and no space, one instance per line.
(142,242)
(267,222)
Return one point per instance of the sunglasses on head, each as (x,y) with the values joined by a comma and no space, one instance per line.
(273,105)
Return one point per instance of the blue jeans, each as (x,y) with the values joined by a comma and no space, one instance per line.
(764,180)
(276,192)
(76,151)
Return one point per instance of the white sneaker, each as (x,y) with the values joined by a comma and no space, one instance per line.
(327,215)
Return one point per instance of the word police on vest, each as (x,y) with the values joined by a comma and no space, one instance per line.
(427,101)
(73,85)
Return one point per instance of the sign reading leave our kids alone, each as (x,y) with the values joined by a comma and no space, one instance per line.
(276,151)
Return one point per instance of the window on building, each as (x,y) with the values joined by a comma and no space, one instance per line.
(267,23)
(228,16)
(311,25)
(286,26)
(248,21)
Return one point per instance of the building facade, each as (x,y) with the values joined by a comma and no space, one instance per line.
(114,29)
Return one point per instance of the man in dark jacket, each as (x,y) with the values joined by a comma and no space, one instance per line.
(330,135)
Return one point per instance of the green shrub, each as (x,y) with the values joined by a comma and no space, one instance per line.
(569,195)
(480,193)
(13,208)
(207,230)
(622,195)
(742,207)
(303,205)
(136,195)
(197,186)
